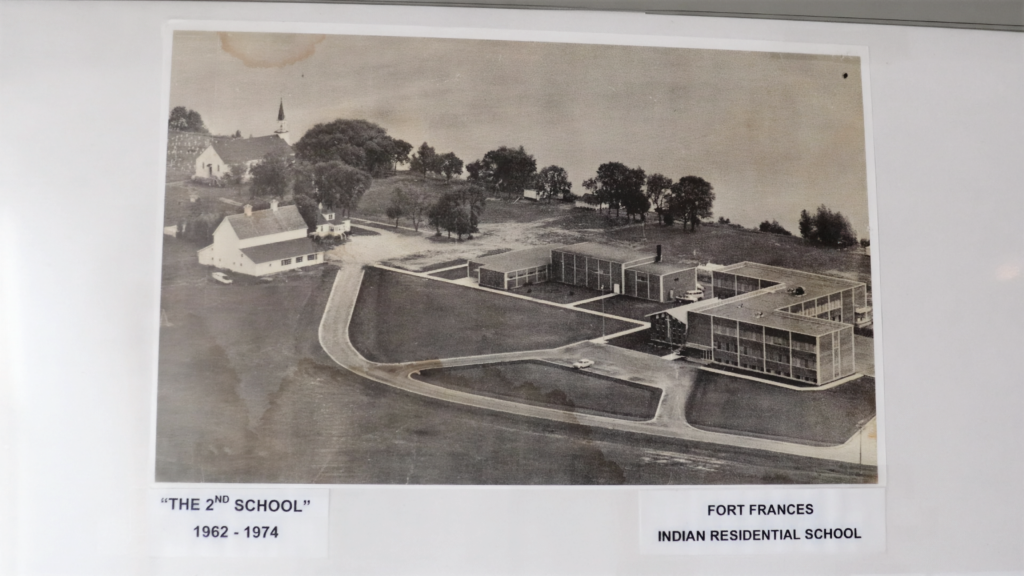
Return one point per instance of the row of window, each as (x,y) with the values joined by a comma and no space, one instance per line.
(288,261)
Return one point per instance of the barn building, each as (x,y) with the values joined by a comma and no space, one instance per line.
(262,242)
(513,269)
(771,320)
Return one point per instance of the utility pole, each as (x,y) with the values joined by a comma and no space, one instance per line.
(602,310)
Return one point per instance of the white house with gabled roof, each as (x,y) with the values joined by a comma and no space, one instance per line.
(262,242)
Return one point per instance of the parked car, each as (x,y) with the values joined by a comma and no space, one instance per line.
(583,363)
(691,296)
(222,278)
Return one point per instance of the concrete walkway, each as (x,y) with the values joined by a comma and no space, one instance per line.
(674,378)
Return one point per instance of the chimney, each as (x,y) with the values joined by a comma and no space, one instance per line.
(248,209)
(273,204)
(657,258)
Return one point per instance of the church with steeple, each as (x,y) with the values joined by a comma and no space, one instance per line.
(282,124)
(216,161)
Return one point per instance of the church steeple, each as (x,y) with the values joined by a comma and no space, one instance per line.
(282,124)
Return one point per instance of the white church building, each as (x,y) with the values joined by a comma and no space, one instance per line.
(223,153)
(262,242)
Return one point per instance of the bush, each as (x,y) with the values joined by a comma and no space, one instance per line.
(774,227)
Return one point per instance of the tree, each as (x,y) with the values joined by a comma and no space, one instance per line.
(619,186)
(396,209)
(774,227)
(308,209)
(237,134)
(553,182)
(441,213)
(402,150)
(657,190)
(692,200)
(827,228)
(449,165)
(417,204)
(806,224)
(865,242)
(458,210)
(236,173)
(303,180)
(186,120)
(358,143)
(340,186)
(269,177)
(424,160)
(506,171)
(199,227)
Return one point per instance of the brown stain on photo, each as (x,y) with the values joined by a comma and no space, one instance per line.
(269,50)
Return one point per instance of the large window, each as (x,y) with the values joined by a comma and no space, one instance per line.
(286,261)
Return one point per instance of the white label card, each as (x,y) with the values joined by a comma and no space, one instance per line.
(239,522)
(762,521)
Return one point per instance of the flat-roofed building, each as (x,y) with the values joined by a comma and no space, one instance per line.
(660,281)
(596,266)
(513,269)
(772,320)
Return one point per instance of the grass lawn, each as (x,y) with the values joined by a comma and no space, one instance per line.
(820,418)
(556,292)
(728,245)
(403,318)
(545,384)
(628,307)
(641,342)
(177,206)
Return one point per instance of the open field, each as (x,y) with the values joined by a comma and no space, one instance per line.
(403,318)
(314,422)
(546,384)
(628,307)
(556,292)
(820,418)
(728,245)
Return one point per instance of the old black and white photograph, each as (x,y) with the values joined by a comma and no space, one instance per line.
(454,261)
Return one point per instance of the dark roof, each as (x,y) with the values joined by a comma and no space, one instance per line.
(517,259)
(663,268)
(280,250)
(266,222)
(608,252)
(763,307)
(241,150)
(814,285)
(321,219)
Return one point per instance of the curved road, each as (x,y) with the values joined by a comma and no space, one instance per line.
(669,422)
